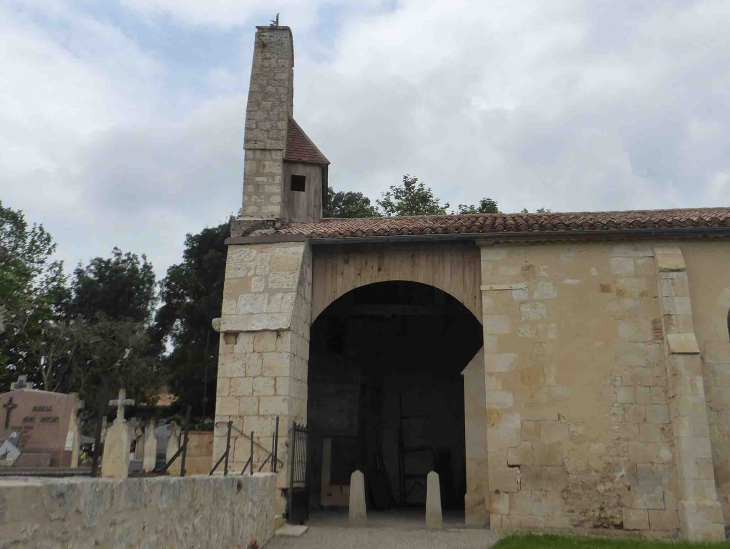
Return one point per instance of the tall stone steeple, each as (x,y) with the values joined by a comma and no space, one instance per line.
(285,175)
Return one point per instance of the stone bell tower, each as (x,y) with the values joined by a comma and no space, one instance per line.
(285,174)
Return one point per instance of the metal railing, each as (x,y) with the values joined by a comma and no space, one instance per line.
(272,457)
(183,450)
(297,508)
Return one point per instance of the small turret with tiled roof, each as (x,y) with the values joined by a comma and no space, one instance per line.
(285,174)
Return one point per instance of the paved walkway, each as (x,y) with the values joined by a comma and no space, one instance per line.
(386,531)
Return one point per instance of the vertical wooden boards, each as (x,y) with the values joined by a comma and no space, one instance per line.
(450,266)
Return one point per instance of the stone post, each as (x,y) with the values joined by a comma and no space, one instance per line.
(150,448)
(357,513)
(434,517)
(700,513)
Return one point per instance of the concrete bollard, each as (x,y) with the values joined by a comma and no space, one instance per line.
(434,517)
(358,514)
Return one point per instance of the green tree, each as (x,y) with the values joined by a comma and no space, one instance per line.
(538,211)
(191,295)
(348,205)
(33,296)
(120,287)
(411,198)
(486,205)
(116,352)
(110,314)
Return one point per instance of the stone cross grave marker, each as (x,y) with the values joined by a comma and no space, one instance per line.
(22,383)
(116,447)
(120,403)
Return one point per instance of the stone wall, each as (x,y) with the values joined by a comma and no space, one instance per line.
(475,425)
(264,351)
(708,271)
(149,513)
(577,358)
(270,104)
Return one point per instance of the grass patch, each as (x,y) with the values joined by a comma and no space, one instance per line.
(532,541)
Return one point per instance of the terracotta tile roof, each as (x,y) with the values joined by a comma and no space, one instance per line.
(299,148)
(493,224)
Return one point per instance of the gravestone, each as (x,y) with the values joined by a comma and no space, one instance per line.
(73,438)
(173,445)
(150,448)
(43,419)
(115,462)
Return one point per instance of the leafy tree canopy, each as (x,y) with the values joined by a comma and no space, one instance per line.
(32,294)
(191,295)
(486,205)
(120,287)
(538,211)
(411,198)
(348,205)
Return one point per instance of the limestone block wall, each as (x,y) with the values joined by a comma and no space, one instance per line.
(264,350)
(700,514)
(708,271)
(149,513)
(270,104)
(475,425)
(262,183)
(198,456)
(579,433)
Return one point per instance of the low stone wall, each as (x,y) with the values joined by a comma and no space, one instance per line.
(159,512)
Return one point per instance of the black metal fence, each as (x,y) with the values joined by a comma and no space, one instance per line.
(272,457)
(298,504)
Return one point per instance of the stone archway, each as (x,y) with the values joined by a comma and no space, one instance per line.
(386,394)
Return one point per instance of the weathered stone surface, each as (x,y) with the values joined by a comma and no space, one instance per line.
(150,447)
(217,512)
(434,516)
(683,343)
(115,462)
(357,512)
(636,519)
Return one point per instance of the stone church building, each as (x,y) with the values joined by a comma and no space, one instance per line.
(562,370)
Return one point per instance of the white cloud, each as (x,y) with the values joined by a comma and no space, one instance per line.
(127,129)
(531,103)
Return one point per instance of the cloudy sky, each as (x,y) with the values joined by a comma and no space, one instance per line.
(121,123)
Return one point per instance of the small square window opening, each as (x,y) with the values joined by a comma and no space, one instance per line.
(297,183)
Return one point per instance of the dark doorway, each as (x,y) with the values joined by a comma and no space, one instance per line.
(386,394)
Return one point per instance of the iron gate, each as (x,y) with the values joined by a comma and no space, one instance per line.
(298,508)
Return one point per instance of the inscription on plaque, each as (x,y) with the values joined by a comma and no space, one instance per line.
(43,418)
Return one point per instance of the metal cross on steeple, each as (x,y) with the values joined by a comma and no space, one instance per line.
(120,403)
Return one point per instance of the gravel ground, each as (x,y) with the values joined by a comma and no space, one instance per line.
(336,536)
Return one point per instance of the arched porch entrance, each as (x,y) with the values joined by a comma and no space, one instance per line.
(386,394)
